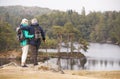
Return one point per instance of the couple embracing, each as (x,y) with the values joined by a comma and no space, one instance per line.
(31,36)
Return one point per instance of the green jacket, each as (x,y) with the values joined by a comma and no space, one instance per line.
(26,34)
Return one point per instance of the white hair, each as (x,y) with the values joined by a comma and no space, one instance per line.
(34,21)
(24,21)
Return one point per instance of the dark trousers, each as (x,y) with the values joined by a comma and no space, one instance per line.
(34,50)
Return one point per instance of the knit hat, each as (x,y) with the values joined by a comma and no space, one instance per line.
(34,21)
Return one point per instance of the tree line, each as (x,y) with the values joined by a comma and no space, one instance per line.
(94,27)
(60,26)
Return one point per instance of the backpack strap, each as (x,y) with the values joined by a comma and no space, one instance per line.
(37,32)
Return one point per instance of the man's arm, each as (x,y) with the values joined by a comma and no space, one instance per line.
(42,34)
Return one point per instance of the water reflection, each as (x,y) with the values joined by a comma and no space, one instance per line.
(106,59)
(4,61)
(77,64)
(102,64)
(69,63)
(87,64)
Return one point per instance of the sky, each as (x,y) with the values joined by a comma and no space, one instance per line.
(64,5)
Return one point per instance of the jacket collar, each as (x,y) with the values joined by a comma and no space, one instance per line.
(35,24)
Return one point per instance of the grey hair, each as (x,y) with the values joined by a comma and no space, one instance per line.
(34,20)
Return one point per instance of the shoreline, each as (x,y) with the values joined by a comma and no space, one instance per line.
(13,71)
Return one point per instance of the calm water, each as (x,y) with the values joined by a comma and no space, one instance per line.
(99,57)
(103,57)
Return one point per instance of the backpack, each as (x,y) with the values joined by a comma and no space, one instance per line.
(37,32)
(20,35)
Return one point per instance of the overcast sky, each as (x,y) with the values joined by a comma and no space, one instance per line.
(90,5)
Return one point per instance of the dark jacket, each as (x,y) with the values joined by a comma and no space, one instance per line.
(32,32)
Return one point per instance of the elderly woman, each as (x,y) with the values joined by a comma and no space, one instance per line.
(24,42)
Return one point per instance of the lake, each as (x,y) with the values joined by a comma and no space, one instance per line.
(103,57)
(99,57)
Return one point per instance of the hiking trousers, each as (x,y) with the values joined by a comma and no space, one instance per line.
(24,54)
(34,50)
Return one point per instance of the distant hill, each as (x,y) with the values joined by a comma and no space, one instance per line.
(22,10)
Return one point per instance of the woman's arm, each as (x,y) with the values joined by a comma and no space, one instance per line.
(25,28)
(26,33)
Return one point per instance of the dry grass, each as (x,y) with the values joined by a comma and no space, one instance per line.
(97,74)
(16,72)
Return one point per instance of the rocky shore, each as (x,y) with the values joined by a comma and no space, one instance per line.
(50,71)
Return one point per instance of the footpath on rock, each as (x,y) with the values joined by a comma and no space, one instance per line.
(50,71)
